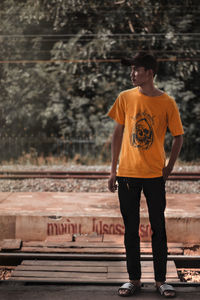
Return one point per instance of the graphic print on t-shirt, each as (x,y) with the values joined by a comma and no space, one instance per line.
(142,133)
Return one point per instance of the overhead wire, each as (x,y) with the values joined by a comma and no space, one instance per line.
(98,34)
(172,59)
(45,38)
(117,9)
(110,52)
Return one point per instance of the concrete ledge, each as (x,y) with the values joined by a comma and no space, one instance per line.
(36,216)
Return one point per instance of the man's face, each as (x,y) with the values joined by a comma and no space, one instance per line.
(139,75)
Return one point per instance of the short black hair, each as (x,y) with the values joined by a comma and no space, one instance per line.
(142,59)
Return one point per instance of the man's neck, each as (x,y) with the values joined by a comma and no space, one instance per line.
(150,90)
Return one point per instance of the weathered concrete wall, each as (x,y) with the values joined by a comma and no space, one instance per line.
(7,227)
(30,228)
(183,230)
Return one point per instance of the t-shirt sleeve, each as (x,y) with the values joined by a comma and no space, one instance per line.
(117,111)
(174,121)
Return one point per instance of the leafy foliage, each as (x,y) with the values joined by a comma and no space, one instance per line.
(82,42)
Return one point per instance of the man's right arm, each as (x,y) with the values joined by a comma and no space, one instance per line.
(115,150)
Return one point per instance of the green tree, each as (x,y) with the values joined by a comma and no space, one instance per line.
(84,41)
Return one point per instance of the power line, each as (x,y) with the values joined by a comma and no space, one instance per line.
(67,41)
(170,59)
(195,6)
(97,34)
(114,51)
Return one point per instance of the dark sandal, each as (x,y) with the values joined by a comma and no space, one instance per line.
(166,288)
(130,288)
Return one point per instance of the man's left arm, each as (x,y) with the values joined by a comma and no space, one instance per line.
(176,148)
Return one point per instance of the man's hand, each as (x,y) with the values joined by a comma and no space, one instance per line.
(112,183)
(115,150)
(176,147)
(166,172)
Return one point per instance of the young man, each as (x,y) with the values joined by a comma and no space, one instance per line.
(142,116)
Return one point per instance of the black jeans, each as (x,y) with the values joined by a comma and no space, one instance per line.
(129,191)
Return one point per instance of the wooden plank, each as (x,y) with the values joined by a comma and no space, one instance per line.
(119,239)
(173,248)
(73,280)
(72,263)
(114,250)
(58,274)
(59,238)
(64,280)
(93,238)
(78,280)
(86,269)
(85,263)
(73,250)
(171,265)
(112,272)
(113,266)
(144,276)
(84,245)
(71,245)
(144,270)
(103,250)
(94,269)
(147,271)
(11,244)
(145,265)
(34,244)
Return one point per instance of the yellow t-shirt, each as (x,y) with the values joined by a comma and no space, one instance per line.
(145,121)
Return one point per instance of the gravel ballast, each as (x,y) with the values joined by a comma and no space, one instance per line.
(82,185)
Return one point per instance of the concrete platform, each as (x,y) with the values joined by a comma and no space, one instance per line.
(37,216)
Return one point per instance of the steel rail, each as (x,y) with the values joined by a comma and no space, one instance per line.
(191,176)
(61,256)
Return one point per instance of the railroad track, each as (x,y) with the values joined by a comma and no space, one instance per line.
(192,176)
